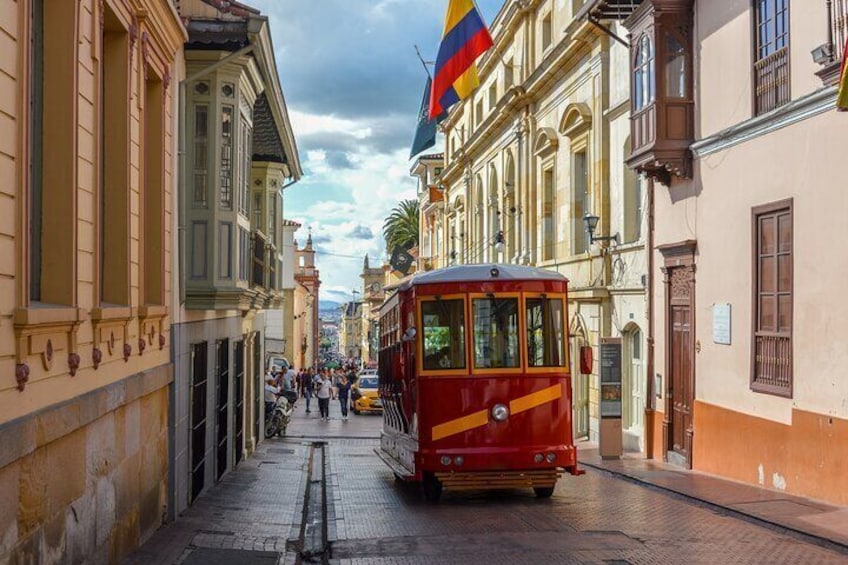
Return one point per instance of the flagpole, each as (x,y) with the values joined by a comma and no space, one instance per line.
(423,63)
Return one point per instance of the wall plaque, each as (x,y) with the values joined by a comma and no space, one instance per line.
(721,324)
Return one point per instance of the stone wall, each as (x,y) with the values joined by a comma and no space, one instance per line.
(86,481)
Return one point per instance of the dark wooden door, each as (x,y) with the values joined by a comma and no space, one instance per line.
(681,385)
(222,407)
(238,412)
(198,419)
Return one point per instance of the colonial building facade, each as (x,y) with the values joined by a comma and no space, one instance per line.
(540,145)
(307,325)
(733,121)
(238,155)
(89,129)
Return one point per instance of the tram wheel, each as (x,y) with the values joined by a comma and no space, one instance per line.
(543,492)
(432,487)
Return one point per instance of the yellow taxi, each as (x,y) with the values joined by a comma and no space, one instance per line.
(366,395)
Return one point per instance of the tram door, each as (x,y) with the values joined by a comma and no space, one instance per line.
(579,391)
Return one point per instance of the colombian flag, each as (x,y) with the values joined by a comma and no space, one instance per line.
(464,39)
(842,97)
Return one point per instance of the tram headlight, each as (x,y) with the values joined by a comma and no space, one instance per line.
(458,460)
(551,457)
(538,458)
(446,460)
(500,412)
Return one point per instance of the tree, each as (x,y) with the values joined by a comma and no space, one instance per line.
(401,227)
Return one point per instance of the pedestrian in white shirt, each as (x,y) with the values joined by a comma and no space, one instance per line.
(324,392)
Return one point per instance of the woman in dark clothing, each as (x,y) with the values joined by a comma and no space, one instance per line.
(344,395)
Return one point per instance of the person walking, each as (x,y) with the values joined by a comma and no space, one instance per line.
(324,392)
(343,394)
(308,387)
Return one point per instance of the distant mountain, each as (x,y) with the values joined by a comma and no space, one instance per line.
(328,305)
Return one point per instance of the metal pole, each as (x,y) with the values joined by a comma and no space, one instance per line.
(831,49)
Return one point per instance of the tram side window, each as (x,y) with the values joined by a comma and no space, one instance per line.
(443,322)
(545,333)
(496,333)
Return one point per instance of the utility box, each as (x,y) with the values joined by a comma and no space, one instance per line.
(611,395)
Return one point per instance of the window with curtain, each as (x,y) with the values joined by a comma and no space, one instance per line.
(643,74)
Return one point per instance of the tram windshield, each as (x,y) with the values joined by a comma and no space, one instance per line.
(443,322)
(496,332)
(545,332)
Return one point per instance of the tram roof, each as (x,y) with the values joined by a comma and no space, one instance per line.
(480,273)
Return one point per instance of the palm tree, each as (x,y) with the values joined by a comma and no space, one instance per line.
(401,227)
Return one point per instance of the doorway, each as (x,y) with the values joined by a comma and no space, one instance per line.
(198,419)
(633,405)
(579,381)
(238,412)
(222,406)
(678,430)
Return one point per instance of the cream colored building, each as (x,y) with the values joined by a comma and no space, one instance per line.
(88,172)
(307,325)
(739,135)
(239,155)
(350,340)
(539,145)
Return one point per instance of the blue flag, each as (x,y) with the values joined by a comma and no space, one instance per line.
(425,132)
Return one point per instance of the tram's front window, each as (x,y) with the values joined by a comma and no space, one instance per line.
(443,324)
(496,333)
(545,332)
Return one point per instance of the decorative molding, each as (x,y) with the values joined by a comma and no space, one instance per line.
(73,363)
(161,341)
(796,111)
(96,357)
(47,355)
(576,119)
(127,352)
(22,375)
(142,345)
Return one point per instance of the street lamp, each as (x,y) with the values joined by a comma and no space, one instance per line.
(591,222)
(499,240)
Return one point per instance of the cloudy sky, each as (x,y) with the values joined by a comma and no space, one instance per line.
(353,86)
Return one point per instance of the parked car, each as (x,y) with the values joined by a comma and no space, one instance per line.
(366,395)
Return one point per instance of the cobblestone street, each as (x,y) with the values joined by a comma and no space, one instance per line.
(254,517)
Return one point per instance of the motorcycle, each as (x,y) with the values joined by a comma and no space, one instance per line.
(277,420)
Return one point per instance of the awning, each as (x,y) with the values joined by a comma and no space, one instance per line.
(608,9)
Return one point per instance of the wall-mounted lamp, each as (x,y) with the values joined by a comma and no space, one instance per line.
(591,222)
(823,54)
(499,240)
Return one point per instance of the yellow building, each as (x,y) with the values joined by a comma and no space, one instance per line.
(88,128)
(539,145)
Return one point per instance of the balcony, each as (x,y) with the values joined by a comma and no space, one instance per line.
(830,56)
(771,81)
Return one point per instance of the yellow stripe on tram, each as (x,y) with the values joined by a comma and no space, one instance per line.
(460,425)
(481,418)
(536,399)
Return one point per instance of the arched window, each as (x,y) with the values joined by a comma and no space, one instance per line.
(643,78)
(675,68)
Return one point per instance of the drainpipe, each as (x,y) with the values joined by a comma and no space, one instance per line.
(183,174)
(649,385)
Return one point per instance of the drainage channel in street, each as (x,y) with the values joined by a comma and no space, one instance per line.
(313,544)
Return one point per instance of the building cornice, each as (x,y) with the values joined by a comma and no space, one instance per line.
(796,111)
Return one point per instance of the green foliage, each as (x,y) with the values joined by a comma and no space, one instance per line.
(401,227)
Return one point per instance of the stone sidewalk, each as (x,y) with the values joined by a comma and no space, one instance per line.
(821,522)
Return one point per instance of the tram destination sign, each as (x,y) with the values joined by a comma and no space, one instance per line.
(611,377)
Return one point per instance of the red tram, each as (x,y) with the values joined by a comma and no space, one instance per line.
(474,379)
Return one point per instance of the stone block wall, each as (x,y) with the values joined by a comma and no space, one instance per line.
(86,481)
